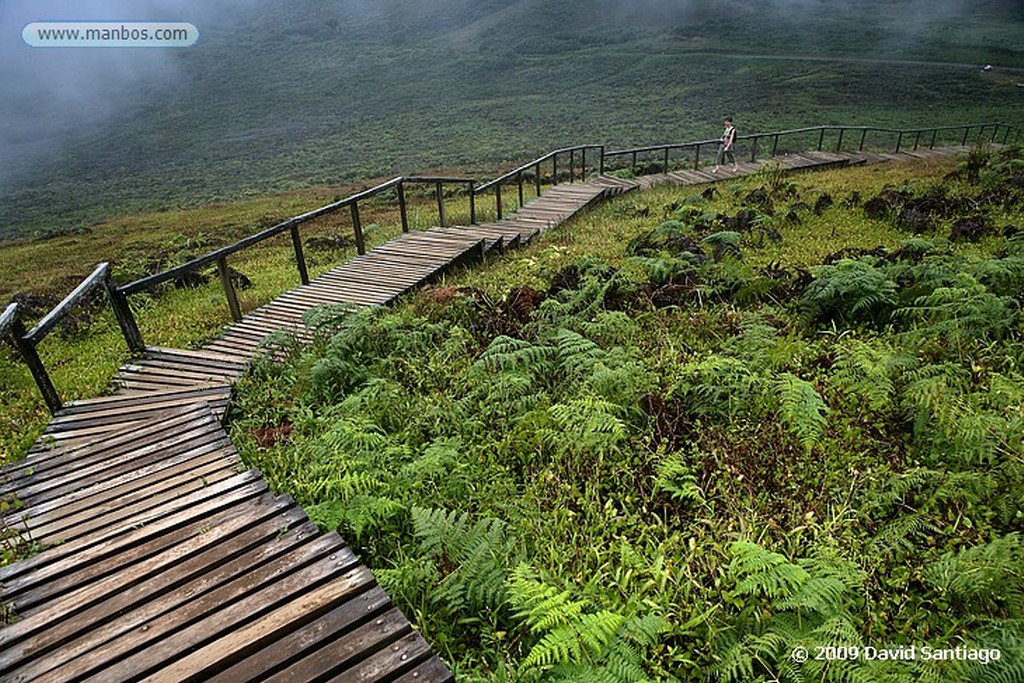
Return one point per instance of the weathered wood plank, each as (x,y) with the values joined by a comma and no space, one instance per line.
(223,610)
(276,624)
(331,627)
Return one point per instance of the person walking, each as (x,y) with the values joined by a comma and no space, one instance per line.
(728,140)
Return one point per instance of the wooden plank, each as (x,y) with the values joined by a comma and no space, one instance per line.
(136,582)
(40,462)
(103,403)
(249,638)
(194,356)
(47,463)
(141,606)
(222,611)
(147,535)
(430,671)
(103,463)
(134,407)
(331,627)
(65,557)
(120,502)
(336,290)
(183,373)
(386,663)
(341,657)
(343,292)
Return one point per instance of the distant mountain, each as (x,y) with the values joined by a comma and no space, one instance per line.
(279,95)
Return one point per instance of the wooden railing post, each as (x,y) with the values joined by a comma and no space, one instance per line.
(11,325)
(229,289)
(497,198)
(572,163)
(583,165)
(27,348)
(554,169)
(666,159)
(601,170)
(863,137)
(536,177)
(967,133)
(35,366)
(995,132)
(357,228)
(472,203)
(440,203)
(775,144)
(633,167)
(401,207)
(917,139)
(899,141)
(300,258)
(124,316)
(696,159)
(821,139)
(839,144)
(519,185)
(753,149)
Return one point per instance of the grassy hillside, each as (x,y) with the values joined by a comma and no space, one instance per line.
(686,435)
(280,97)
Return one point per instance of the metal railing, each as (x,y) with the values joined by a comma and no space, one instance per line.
(26,342)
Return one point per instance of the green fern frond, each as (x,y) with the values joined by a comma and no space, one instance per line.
(902,533)
(756,570)
(540,605)
(577,355)
(588,423)
(505,353)
(987,577)
(866,372)
(849,291)
(802,408)
(472,557)
(675,477)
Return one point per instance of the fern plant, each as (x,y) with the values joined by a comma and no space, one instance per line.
(985,579)
(719,386)
(866,374)
(576,644)
(960,316)
(851,291)
(675,478)
(802,408)
(781,605)
(471,558)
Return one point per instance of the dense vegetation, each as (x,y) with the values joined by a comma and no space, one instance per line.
(277,97)
(688,434)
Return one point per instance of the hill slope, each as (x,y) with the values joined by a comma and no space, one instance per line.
(275,97)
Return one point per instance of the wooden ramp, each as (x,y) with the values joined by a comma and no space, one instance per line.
(164,560)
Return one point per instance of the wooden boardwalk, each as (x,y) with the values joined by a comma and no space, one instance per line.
(165,561)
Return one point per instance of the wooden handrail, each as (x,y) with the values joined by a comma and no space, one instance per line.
(11,326)
(50,320)
(7,320)
(214,256)
(536,162)
(810,129)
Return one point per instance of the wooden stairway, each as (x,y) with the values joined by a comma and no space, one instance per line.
(164,560)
